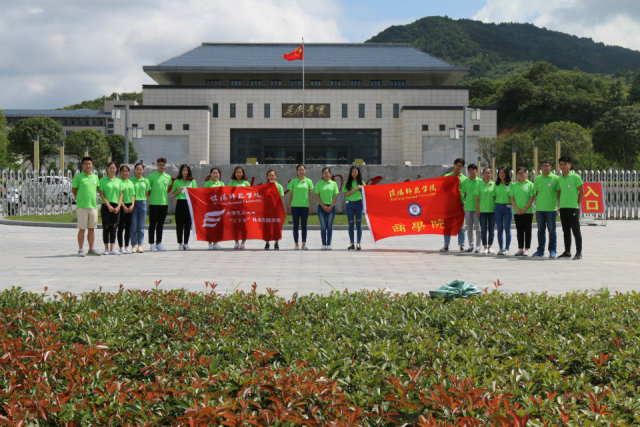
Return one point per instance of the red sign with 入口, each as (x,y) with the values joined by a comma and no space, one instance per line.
(593,198)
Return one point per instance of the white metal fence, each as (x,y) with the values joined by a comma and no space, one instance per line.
(27,193)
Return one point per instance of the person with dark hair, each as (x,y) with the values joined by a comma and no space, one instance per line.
(503,212)
(271,177)
(110,188)
(522,195)
(353,195)
(214,181)
(326,192)
(142,187)
(239,179)
(458,167)
(84,188)
(485,209)
(126,209)
(571,193)
(159,183)
(184,179)
(468,190)
(547,194)
(300,204)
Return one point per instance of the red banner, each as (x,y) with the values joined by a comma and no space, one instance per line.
(427,206)
(593,198)
(236,213)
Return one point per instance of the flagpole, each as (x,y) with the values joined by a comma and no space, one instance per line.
(303,105)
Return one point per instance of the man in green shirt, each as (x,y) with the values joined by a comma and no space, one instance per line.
(547,193)
(468,191)
(571,192)
(159,182)
(84,188)
(458,167)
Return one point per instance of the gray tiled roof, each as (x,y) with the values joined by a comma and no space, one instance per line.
(55,113)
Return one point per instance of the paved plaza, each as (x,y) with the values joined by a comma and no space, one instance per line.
(35,257)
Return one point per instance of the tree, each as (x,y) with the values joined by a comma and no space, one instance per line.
(523,143)
(76,142)
(482,92)
(617,135)
(575,142)
(116,147)
(22,135)
(634,92)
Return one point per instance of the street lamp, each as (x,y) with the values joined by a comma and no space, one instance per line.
(454,133)
(136,132)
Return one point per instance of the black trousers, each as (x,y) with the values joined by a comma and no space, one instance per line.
(183,221)
(124,226)
(109,223)
(570,219)
(157,215)
(523,228)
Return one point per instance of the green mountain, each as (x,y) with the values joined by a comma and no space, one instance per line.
(496,50)
(98,103)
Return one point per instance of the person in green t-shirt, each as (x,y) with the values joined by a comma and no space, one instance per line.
(299,205)
(159,183)
(214,181)
(353,195)
(110,188)
(485,209)
(547,193)
(458,167)
(142,187)
(522,195)
(326,192)
(84,188)
(467,191)
(271,177)
(570,198)
(184,179)
(126,209)
(239,179)
(503,212)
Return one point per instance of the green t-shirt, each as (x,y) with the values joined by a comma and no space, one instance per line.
(111,188)
(179,184)
(501,192)
(159,184)
(569,187)
(326,191)
(521,193)
(128,190)
(87,186)
(547,192)
(300,192)
(356,195)
(468,191)
(280,189)
(210,183)
(235,183)
(487,196)
(141,186)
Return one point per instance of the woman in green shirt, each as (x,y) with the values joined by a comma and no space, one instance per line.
(485,209)
(271,177)
(522,195)
(503,213)
(239,179)
(214,181)
(183,217)
(300,193)
(111,195)
(326,194)
(142,186)
(353,189)
(126,209)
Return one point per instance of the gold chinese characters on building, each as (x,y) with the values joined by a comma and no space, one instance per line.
(310,111)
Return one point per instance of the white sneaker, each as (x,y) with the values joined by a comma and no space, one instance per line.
(210,246)
(505,252)
(114,252)
(478,249)
(80,253)
(236,246)
(501,252)
(520,252)
(180,247)
(140,250)
(323,248)
(160,248)
(241,247)
(185,247)
(491,251)
(153,248)
(485,251)
(328,247)
(106,252)
(122,251)
(216,247)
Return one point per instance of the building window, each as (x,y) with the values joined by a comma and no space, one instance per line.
(397,82)
(361,111)
(396,111)
(255,82)
(69,131)
(356,82)
(168,126)
(134,125)
(315,82)
(267,111)
(336,82)
(185,126)
(345,111)
(476,128)
(213,82)
(232,110)
(110,132)
(375,82)
(378,111)
(109,126)
(276,83)
(250,110)
(215,110)
(152,126)
(425,128)
(235,82)
(295,82)
(443,128)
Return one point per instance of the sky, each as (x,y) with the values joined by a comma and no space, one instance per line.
(60,52)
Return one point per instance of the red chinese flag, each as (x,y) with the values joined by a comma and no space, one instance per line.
(236,213)
(427,206)
(295,54)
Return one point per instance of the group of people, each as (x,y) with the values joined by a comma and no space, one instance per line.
(489,203)
(126,200)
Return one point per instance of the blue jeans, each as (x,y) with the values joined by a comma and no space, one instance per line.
(504,215)
(354,211)
(326,224)
(137,222)
(546,220)
(447,239)
(300,214)
(487,224)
